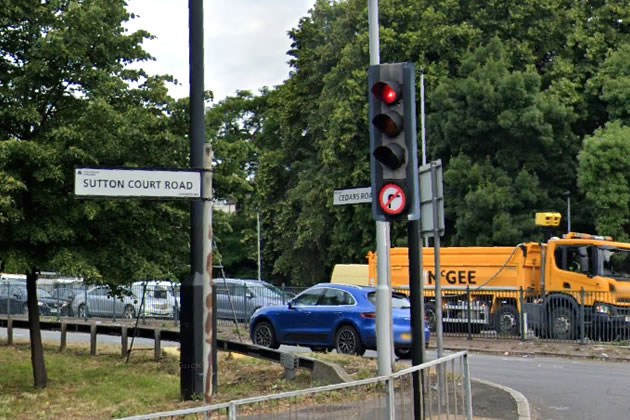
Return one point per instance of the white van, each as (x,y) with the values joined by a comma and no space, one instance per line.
(351,274)
(161,297)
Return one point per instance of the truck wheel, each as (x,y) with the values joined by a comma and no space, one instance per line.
(507,321)
(429,311)
(562,323)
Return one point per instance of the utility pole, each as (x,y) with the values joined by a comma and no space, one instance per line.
(197,332)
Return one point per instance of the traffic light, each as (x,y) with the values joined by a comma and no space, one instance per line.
(393,146)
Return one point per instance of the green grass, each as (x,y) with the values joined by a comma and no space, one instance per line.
(81,386)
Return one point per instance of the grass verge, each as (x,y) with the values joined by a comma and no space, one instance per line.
(81,386)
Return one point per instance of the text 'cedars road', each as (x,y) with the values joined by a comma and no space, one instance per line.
(129,182)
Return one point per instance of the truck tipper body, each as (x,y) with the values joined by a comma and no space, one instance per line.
(556,288)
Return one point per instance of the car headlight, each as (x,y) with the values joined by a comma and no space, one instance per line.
(40,303)
(602,308)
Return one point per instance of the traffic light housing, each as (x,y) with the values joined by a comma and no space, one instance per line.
(393,145)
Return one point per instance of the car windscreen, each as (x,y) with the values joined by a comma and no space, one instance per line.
(264,289)
(43,293)
(399,300)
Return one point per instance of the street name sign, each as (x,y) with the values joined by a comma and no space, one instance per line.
(132,182)
(356,195)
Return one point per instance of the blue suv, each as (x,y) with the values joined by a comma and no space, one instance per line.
(332,316)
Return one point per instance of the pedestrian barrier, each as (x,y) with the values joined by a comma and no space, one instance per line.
(443,391)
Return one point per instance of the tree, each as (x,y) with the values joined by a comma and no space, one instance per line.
(506,144)
(233,127)
(511,89)
(603,176)
(67,99)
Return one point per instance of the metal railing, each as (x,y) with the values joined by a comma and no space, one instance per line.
(488,312)
(494,312)
(383,397)
(156,300)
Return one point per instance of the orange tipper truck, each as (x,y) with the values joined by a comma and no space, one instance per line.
(548,287)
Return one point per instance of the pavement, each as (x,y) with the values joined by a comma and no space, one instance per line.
(495,401)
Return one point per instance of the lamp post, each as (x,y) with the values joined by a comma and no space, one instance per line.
(567,194)
(258,243)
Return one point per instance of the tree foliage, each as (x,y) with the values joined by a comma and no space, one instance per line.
(514,92)
(69,100)
(603,175)
(511,89)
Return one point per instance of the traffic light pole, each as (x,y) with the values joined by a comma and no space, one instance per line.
(384,339)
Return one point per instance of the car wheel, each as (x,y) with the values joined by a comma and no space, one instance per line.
(130,312)
(429,312)
(347,341)
(81,311)
(403,353)
(264,335)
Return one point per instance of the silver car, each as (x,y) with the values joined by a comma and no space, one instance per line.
(240,298)
(101,302)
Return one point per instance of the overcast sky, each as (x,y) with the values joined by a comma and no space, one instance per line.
(245,41)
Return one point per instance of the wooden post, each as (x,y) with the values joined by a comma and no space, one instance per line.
(93,339)
(157,344)
(64,334)
(9,331)
(123,341)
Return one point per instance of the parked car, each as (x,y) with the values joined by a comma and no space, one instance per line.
(331,316)
(161,298)
(240,298)
(13,300)
(66,293)
(101,302)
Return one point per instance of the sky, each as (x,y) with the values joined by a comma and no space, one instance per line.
(245,41)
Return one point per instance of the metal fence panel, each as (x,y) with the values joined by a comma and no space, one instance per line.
(383,397)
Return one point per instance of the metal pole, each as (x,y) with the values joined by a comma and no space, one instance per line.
(192,365)
(423,132)
(416,286)
(373,32)
(209,318)
(438,280)
(259,259)
(424,141)
(568,213)
(383,291)
(436,258)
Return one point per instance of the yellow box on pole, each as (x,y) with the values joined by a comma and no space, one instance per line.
(548,219)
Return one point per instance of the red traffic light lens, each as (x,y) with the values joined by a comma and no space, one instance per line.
(386,92)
